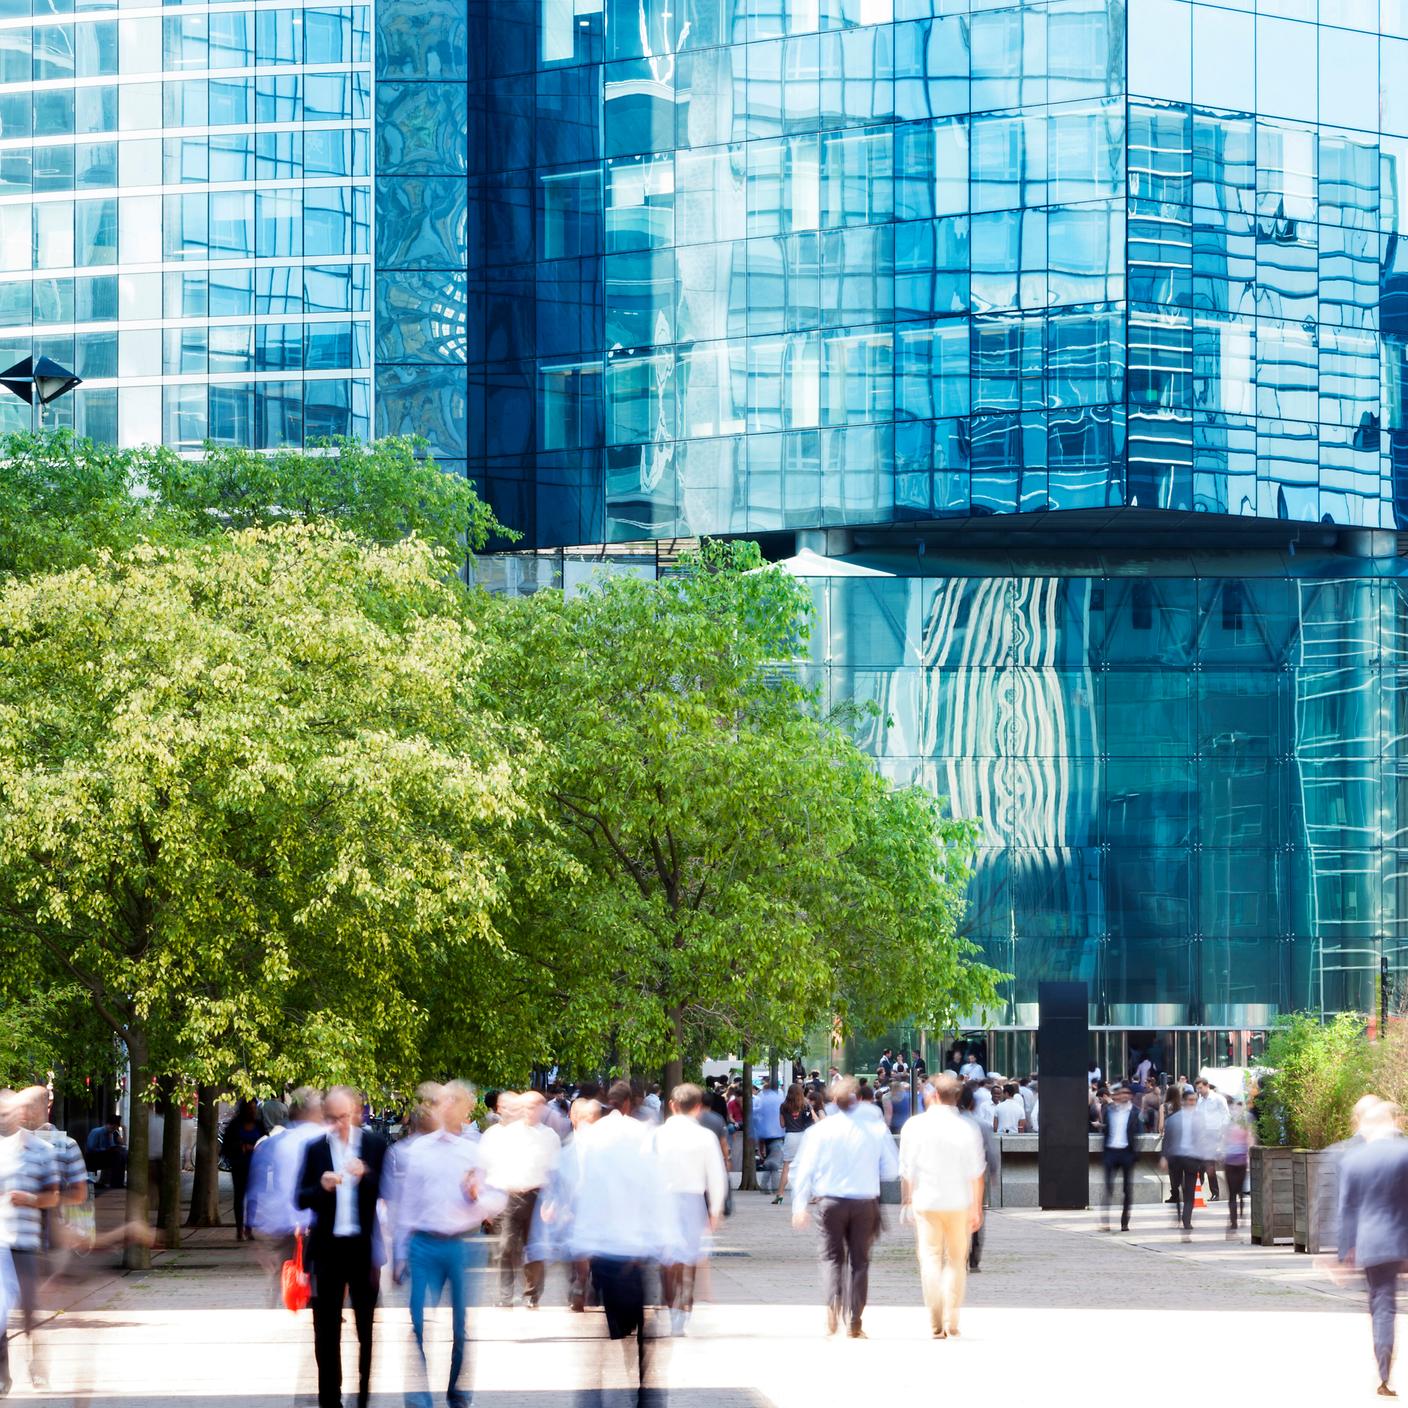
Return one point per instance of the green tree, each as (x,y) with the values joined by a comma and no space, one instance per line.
(64,498)
(1318,1070)
(732,867)
(248,799)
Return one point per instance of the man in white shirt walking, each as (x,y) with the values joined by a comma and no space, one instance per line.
(1121,1151)
(841,1166)
(520,1156)
(1213,1114)
(692,1165)
(942,1164)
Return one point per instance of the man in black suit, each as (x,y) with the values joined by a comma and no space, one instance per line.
(1374,1222)
(1120,1123)
(340,1185)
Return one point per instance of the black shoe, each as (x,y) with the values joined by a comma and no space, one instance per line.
(1215,1198)
(1124,1227)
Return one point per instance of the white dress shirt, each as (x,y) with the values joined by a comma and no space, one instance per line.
(971,1070)
(519,1156)
(1120,1126)
(619,1201)
(1028,1097)
(940,1155)
(845,1156)
(691,1161)
(346,1223)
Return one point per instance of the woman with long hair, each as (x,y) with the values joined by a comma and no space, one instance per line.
(796,1115)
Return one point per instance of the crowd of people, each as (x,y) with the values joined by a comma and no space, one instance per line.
(623,1185)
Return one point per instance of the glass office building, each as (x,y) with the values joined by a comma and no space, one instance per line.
(185,217)
(1070,334)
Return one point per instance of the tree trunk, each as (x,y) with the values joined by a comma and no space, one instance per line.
(748,1183)
(674,1067)
(169,1215)
(137,1256)
(205,1190)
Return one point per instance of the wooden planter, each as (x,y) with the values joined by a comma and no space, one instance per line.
(1315,1190)
(1273,1195)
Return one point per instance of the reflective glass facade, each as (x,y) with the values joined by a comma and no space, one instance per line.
(185,217)
(733,266)
(1113,278)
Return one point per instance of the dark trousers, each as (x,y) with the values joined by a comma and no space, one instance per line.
(1183,1175)
(848,1228)
(239,1178)
(28,1273)
(1123,1160)
(516,1223)
(975,1248)
(1209,1171)
(342,1271)
(623,1287)
(1236,1178)
(1383,1306)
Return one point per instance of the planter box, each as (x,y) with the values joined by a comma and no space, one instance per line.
(1315,1185)
(1273,1195)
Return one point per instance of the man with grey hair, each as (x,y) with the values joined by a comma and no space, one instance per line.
(271,1201)
(437,1215)
(840,1168)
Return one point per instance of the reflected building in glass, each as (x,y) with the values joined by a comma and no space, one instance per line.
(185,217)
(1071,334)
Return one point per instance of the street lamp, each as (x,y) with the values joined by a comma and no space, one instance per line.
(39,381)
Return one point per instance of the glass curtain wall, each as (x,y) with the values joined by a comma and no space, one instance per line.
(754,265)
(1189,771)
(185,218)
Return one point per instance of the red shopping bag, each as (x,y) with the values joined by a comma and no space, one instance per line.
(296,1288)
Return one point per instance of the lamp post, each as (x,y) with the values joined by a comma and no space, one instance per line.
(38,381)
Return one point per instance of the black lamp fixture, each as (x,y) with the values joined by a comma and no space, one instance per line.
(39,380)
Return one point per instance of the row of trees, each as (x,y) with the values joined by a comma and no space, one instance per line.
(282,798)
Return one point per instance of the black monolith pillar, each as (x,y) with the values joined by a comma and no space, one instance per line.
(1062,1055)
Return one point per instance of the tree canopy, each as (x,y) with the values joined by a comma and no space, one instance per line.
(64,498)
(245,797)
(736,868)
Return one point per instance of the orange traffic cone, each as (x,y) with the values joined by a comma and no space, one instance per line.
(1198,1193)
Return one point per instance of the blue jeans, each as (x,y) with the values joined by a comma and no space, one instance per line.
(435,1263)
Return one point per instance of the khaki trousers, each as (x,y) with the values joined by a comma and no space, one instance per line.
(942,1239)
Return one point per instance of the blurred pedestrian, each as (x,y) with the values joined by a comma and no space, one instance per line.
(271,1198)
(840,1168)
(1237,1141)
(437,1215)
(767,1133)
(1121,1153)
(1183,1155)
(244,1130)
(1373,1218)
(942,1164)
(1212,1117)
(796,1117)
(692,1167)
(619,1225)
(341,1186)
(106,1152)
(519,1156)
(29,1183)
(993,1167)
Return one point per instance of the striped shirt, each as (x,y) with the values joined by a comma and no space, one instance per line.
(28,1164)
(73,1172)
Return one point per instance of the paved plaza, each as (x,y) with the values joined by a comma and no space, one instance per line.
(1059,1313)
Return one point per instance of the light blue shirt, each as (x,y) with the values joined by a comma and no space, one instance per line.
(843,1157)
(767,1114)
(271,1204)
